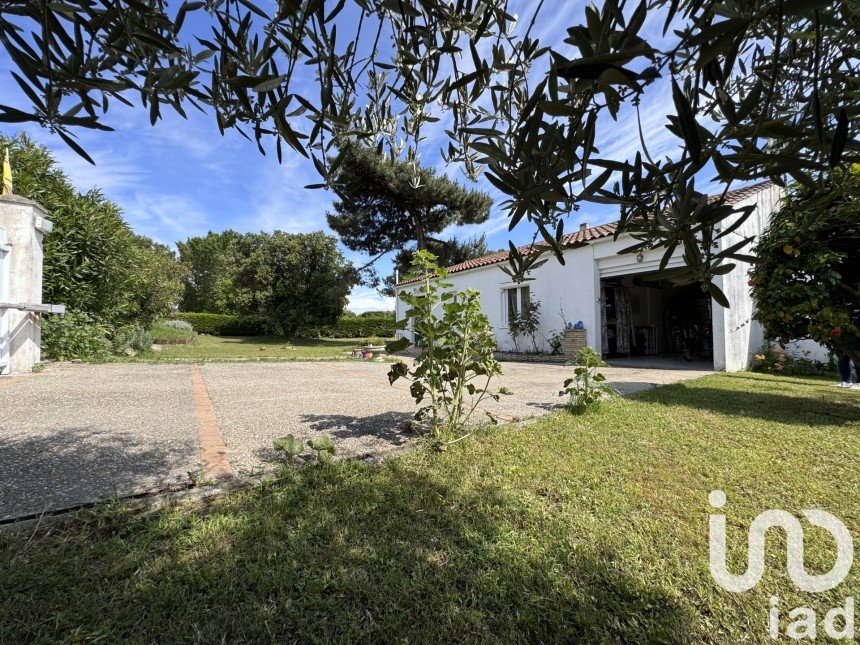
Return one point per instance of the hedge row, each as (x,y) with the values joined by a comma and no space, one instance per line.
(361,327)
(225,324)
(230,325)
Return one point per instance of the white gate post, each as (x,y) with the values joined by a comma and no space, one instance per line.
(4,296)
(25,222)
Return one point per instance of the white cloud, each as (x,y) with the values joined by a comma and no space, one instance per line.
(365,299)
(165,217)
(278,199)
(114,171)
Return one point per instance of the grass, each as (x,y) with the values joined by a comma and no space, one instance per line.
(221,348)
(589,529)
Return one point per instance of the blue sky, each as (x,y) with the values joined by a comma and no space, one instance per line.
(182,178)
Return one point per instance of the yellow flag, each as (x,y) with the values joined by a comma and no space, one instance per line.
(7,175)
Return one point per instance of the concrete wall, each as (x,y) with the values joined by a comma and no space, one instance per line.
(23,221)
(737,337)
(808,349)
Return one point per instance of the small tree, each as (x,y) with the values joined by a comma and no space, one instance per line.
(806,281)
(456,358)
(530,321)
(155,284)
(208,259)
(515,329)
(386,205)
(526,323)
(295,280)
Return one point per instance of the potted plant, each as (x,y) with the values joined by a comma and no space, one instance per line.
(373,345)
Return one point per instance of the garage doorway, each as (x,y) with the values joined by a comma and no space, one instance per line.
(654,319)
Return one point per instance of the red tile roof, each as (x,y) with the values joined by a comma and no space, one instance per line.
(735,196)
(589,234)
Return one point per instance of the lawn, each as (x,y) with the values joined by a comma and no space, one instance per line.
(589,529)
(205,347)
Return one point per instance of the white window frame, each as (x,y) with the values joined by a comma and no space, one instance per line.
(523,296)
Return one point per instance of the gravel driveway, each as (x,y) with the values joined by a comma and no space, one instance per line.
(75,433)
(78,433)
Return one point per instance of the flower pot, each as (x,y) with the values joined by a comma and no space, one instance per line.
(368,355)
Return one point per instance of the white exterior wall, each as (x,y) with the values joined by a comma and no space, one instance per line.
(23,221)
(575,289)
(570,288)
(808,349)
(737,337)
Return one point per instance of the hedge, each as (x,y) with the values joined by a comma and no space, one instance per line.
(352,327)
(230,325)
(225,324)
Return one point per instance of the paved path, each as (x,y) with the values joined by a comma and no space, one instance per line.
(77,433)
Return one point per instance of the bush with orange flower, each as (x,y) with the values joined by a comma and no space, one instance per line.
(806,281)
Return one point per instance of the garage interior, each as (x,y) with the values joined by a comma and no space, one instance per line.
(656,317)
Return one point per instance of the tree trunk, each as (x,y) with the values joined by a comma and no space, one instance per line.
(420,237)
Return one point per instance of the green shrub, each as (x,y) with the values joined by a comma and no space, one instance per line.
(376,314)
(226,324)
(131,338)
(451,375)
(164,331)
(775,360)
(556,342)
(354,327)
(75,335)
(587,387)
(346,327)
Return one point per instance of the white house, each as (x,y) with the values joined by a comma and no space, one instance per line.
(627,305)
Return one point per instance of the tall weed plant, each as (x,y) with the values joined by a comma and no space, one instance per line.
(452,375)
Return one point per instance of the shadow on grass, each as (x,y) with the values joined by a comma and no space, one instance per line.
(346,553)
(789,409)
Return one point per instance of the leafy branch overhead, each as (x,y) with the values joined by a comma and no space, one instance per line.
(761,89)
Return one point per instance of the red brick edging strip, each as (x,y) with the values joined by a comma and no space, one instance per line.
(213,454)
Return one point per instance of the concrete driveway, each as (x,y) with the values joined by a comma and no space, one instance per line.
(73,434)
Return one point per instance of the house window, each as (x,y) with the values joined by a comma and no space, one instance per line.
(516,299)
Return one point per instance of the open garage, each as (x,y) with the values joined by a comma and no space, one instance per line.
(662,314)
